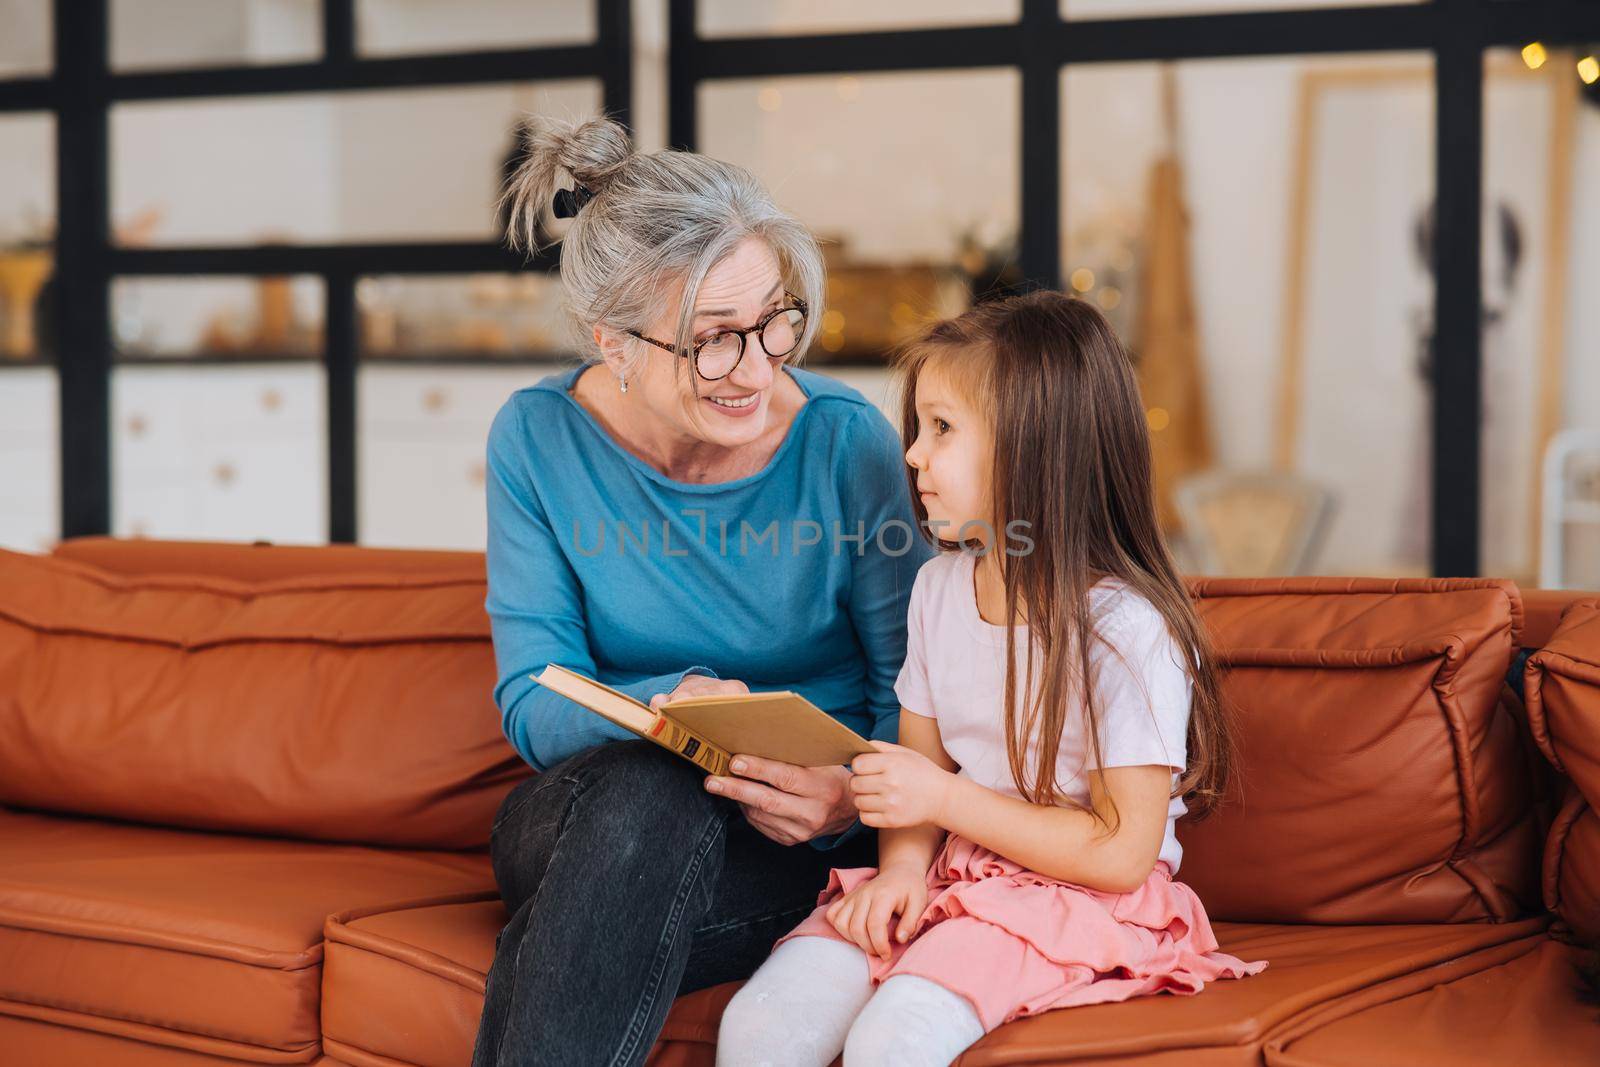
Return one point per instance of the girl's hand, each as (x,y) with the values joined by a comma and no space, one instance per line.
(898,786)
(863,914)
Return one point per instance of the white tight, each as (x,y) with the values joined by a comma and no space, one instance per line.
(812,999)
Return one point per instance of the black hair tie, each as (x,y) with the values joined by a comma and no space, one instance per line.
(568,201)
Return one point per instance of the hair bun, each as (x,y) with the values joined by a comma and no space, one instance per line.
(592,152)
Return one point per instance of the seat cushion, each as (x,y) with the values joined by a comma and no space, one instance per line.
(38,1043)
(1513,1003)
(355,707)
(200,941)
(407,986)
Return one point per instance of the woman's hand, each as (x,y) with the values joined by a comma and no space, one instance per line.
(786,802)
(898,786)
(698,685)
(863,914)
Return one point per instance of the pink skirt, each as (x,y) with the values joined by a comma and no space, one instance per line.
(1016,943)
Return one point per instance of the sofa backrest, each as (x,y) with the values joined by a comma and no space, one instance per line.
(354,707)
(260,561)
(1382,777)
(1563,690)
(1384,773)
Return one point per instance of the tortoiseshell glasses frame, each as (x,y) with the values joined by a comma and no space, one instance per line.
(790,323)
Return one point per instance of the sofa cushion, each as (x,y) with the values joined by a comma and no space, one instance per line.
(202,941)
(38,1043)
(1509,1004)
(1572,868)
(1381,778)
(258,561)
(407,986)
(355,708)
(1563,689)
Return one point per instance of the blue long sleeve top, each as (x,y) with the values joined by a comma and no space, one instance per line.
(795,577)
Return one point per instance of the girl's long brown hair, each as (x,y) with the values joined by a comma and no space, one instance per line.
(1071,459)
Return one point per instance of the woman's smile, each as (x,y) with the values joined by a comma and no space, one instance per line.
(737,407)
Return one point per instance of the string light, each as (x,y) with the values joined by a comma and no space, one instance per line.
(1083,279)
(769,99)
(1589,70)
(1534,55)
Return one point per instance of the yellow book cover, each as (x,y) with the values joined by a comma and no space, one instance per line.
(707,731)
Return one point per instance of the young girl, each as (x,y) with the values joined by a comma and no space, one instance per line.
(1026,846)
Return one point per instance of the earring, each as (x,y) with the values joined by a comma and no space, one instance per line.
(622,382)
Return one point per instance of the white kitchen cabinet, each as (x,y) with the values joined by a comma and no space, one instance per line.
(30,508)
(220,452)
(420,450)
(240,452)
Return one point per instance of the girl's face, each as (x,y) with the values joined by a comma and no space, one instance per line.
(953,457)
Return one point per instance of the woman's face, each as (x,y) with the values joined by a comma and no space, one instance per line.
(952,456)
(736,293)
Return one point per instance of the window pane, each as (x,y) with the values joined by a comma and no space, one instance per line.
(25,49)
(156,34)
(1128,9)
(418,164)
(738,18)
(1541,356)
(910,228)
(513,316)
(27,235)
(218,317)
(30,520)
(227,453)
(1298,383)
(392,27)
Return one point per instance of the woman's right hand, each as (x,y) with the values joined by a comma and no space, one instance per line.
(698,685)
(863,914)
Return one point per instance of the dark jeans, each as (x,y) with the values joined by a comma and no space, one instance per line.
(629,885)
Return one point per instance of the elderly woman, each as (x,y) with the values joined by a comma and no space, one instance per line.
(685,513)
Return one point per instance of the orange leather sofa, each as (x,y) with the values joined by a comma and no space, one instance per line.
(245,794)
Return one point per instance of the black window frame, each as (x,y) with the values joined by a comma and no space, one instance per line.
(1041,45)
(81,89)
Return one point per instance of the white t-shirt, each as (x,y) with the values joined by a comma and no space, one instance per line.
(955,673)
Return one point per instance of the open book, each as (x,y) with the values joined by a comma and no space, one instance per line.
(707,731)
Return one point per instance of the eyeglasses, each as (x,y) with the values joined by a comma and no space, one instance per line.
(715,356)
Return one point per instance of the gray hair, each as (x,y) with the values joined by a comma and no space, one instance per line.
(654,218)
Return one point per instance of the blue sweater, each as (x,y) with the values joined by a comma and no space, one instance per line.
(794,577)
